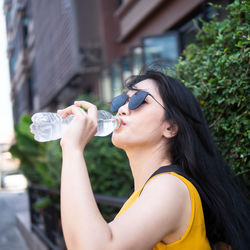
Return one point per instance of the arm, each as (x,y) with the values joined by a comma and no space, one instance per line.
(82,222)
(155,214)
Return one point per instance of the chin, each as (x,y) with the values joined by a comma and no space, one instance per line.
(120,141)
(116,141)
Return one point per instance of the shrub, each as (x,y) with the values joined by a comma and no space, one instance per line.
(41,162)
(216,69)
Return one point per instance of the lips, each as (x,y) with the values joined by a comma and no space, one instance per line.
(122,122)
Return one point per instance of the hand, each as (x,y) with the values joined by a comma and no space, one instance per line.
(83,126)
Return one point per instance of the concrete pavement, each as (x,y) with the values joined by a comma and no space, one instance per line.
(12,204)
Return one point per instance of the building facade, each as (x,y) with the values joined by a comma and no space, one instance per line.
(62,48)
(51,59)
(137,33)
(17,26)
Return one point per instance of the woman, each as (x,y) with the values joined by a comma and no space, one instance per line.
(183,196)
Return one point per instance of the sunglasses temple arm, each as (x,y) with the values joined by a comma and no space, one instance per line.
(157,101)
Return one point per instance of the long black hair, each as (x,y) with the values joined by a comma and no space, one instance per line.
(226,211)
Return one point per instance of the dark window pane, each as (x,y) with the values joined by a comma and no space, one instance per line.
(126,67)
(25,31)
(164,48)
(13,61)
(106,85)
(188,32)
(137,60)
(116,79)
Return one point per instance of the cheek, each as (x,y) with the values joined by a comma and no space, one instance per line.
(139,132)
(151,123)
(149,130)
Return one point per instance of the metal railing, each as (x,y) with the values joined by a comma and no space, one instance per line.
(46,218)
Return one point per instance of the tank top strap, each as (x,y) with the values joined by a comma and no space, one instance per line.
(171,168)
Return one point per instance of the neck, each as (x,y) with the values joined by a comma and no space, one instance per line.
(144,162)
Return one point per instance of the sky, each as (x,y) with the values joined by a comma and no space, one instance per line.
(6,120)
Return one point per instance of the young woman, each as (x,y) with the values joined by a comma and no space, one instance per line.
(184,196)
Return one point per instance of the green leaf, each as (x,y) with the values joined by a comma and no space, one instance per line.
(42,203)
(216,69)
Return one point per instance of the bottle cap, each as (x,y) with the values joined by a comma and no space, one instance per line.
(118,118)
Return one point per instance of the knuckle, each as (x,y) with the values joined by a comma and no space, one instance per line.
(93,123)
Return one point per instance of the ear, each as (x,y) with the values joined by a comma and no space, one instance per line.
(170,129)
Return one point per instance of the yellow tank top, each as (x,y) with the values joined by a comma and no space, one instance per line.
(195,235)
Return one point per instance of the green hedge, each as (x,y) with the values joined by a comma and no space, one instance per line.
(216,69)
(40,162)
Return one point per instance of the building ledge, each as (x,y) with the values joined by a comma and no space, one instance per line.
(132,13)
(124,8)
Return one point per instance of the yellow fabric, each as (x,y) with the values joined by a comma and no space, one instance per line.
(195,235)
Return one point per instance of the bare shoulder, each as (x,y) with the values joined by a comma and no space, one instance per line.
(171,199)
(172,203)
(167,184)
(161,210)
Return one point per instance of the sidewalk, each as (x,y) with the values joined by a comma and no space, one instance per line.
(11,205)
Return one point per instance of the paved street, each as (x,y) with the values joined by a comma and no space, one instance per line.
(10,204)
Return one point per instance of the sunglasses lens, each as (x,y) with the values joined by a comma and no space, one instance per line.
(118,102)
(137,99)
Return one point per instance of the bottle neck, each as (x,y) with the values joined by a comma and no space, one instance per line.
(118,121)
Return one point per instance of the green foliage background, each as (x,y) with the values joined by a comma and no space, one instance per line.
(41,162)
(216,69)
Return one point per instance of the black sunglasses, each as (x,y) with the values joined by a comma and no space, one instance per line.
(135,101)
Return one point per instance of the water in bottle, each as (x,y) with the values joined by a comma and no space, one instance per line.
(48,126)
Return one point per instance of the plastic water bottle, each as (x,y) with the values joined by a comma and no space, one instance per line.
(48,126)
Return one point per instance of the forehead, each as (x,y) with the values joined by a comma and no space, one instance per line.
(148,85)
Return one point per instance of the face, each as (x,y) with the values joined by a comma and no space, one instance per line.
(143,126)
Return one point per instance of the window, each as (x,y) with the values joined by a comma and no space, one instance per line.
(21,101)
(13,61)
(9,15)
(126,67)
(188,32)
(210,11)
(137,60)
(25,31)
(30,93)
(116,79)
(164,48)
(106,85)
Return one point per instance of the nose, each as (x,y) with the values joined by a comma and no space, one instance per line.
(124,110)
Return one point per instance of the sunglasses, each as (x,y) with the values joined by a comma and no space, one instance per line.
(134,102)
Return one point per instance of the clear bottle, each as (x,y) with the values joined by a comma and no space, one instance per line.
(48,126)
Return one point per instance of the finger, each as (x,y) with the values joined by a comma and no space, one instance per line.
(64,112)
(76,111)
(70,110)
(91,108)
